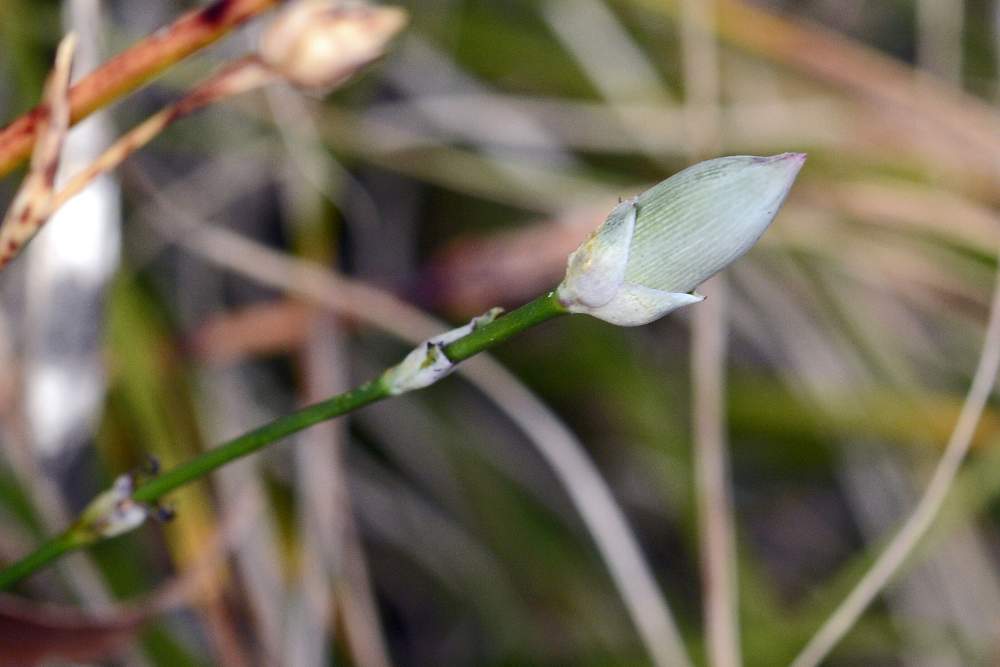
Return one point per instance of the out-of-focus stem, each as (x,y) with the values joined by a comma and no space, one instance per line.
(716,529)
(238,77)
(339,42)
(132,68)
(915,527)
(709,330)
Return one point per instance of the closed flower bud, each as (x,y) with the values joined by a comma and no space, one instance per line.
(317,44)
(654,249)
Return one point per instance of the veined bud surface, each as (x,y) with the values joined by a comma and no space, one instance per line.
(317,44)
(654,249)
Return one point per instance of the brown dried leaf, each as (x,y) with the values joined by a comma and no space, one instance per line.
(32,204)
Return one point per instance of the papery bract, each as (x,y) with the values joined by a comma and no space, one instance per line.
(317,44)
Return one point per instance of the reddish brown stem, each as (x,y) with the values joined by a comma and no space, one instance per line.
(132,68)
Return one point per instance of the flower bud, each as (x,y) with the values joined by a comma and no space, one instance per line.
(654,249)
(317,44)
(113,512)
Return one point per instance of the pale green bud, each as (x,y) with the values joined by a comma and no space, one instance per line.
(654,249)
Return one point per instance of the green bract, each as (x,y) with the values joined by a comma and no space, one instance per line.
(654,249)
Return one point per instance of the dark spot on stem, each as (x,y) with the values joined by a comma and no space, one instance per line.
(216,12)
(50,172)
(29,121)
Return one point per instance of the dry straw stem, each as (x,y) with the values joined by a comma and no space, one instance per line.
(32,203)
(131,69)
(915,527)
(890,86)
(709,331)
(238,77)
(22,224)
(350,40)
(860,69)
(716,523)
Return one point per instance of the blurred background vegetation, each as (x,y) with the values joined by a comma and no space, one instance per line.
(169,310)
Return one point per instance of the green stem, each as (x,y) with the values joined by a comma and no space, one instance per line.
(39,558)
(482,338)
(255,440)
(535,312)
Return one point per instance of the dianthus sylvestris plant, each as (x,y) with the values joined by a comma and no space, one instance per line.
(643,262)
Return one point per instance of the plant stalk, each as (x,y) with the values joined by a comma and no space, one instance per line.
(534,312)
(482,338)
(261,437)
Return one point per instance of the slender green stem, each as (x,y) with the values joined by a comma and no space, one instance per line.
(255,440)
(535,312)
(39,558)
(482,338)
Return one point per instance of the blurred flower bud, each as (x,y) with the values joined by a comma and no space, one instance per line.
(654,249)
(113,512)
(318,44)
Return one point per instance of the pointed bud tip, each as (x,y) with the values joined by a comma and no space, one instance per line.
(799,158)
(791,161)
